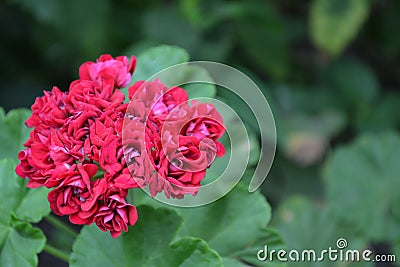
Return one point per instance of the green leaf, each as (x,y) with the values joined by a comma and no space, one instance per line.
(13,132)
(355,81)
(159,58)
(228,262)
(194,252)
(194,90)
(156,59)
(248,255)
(19,242)
(306,226)
(362,184)
(238,225)
(254,148)
(333,24)
(148,243)
(308,99)
(383,117)
(234,226)
(237,220)
(17,199)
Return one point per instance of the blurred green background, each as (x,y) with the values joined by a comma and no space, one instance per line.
(330,70)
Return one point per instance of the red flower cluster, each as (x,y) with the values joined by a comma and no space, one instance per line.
(180,140)
(91,147)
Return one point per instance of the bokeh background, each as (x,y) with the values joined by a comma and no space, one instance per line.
(330,70)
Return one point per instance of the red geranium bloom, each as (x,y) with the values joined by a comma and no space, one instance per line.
(91,147)
(50,110)
(115,215)
(119,69)
(73,191)
(176,135)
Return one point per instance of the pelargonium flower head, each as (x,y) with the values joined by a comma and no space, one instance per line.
(180,138)
(91,148)
(50,110)
(115,215)
(73,191)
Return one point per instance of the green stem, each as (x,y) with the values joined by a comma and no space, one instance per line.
(61,225)
(99,175)
(56,252)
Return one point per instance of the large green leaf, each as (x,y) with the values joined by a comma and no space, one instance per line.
(248,255)
(235,225)
(17,199)
(148,243)
(236,219)
(362,185)
(334,24)
(19,242)
(194,252)
(194,90)
(158,58)
(306,226)
(238,225)
(13,132)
